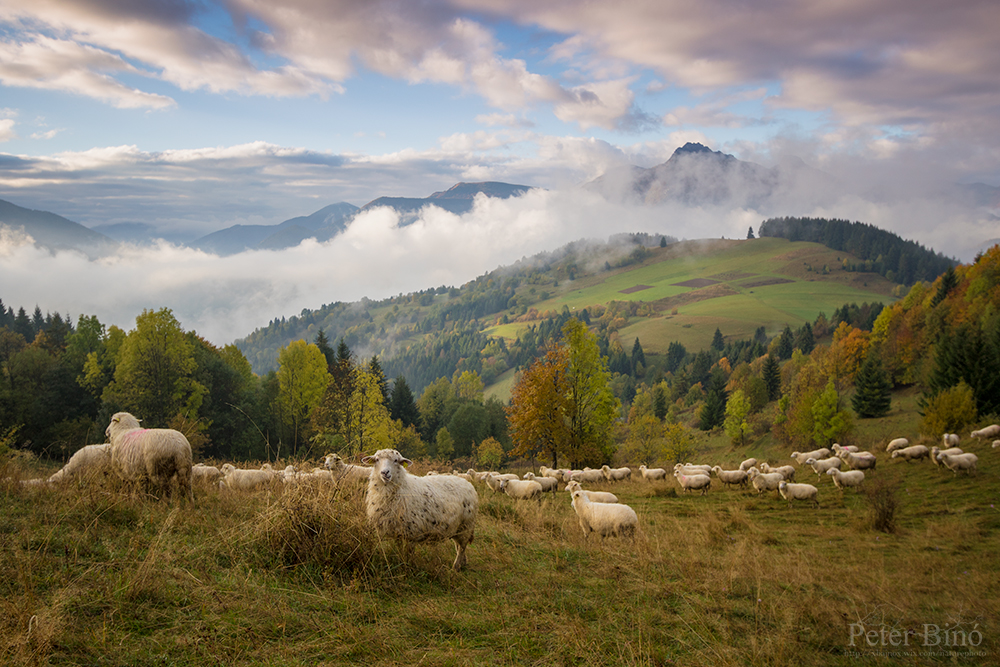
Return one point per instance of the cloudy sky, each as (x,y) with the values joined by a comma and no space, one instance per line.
(194,115)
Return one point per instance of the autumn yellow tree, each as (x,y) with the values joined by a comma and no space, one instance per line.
(302,380)
(538,407)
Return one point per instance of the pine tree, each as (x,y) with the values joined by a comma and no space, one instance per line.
(402,405)
(786,343)
(872,398)
(638,358)
(324,346)
(804,339)
(713,413)
(750,233)
(717,341)
(771,374)
(375,368)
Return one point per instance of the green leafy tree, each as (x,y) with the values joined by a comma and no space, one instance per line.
(735,424)
(444,446)
(830,422)
(593,406)
(538,410)
(489,454)
(949,411)
(302,381)
(368,425)
(874,391)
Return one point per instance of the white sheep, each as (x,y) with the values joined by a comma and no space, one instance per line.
(413,509)
(898,443)
(551,473)
(586,476)
(991,431)
(693,469)
(603,518)
(521,489)
(821,466)
(592,496)
(996,444)
(87,463)
(151,457)
(911,453)
(956,462)
(817,454)
(792,492)
(206,475)
(837,448)
(766,481)
(238,479)
(693,482)
(547,483)
(935,450)
(346,471)
(788,472)
(844,479)
(859,460)
(616,474)
(651,474)
(950,439)
(727,477)
(749,463)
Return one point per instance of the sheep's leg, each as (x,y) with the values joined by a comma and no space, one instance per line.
(460,559)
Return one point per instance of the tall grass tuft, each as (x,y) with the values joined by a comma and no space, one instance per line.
(880,495)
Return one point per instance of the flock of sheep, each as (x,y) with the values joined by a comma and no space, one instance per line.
(436,507)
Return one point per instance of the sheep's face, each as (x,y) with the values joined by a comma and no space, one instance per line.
(387,464)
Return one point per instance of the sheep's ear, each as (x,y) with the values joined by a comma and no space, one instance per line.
(368,459)
(406,462)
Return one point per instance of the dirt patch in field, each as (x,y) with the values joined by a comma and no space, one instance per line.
(766,281)
(633,290)
(731,275)
(696,283)
(711,292)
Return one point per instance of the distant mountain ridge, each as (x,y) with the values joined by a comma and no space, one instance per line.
(53,231)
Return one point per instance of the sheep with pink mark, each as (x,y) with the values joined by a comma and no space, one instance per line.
(153,457)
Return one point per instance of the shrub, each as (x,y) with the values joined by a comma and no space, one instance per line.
(882,504)
(949,411)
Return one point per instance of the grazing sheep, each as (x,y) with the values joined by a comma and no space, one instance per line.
(238,479)
(766,481)
(586,476)
(859,460)
(548,483)
(521,489)
(844,479)
(87,463)
(991,431)
(616,474)
(898,443)
(727,477)
(792,492)
(950,440)
(996,443)
(592,496)
(413,509)
(151,457)
(911,453)
(935,450)
(205,475)
(693,469)
(651,474)
(817,454)
(551,473)
(693,482)
(956,462)
(749,463)
(346,471)
(603,518)
(788,472)
(821,466)
(837,448)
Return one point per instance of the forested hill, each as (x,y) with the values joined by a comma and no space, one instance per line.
(901,261)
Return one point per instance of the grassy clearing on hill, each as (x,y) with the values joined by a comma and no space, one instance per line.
(293,576)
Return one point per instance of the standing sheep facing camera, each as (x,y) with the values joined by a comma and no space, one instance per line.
(604,518)
(413,509)
(150,456)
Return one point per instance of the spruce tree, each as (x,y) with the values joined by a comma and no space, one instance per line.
(771,374)
(638,357)
(324,346)
(718,343)
(713,413)
(750,233)
(872,397)
(786,343)
(804,339)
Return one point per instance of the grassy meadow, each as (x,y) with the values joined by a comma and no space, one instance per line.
(97,575)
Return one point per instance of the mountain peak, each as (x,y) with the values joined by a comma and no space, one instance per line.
(691,148)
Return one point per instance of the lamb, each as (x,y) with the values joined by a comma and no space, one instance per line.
(991,431)
(521,489)
(548,483)
(602,518)
(693,482)
(413,509)
(956,462)
(844,479)
(592,496)
(346,471)
(203,474)
(727,477)
(87,463)
(937,450)
(238,479)
(817,454)
(749,463)
(792,492)
(766,481)
(150,456)
(911,453)
(950,439)
(821,466)
(788,472)
(616,474)
(859,460)
(898,443)
(651,474)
